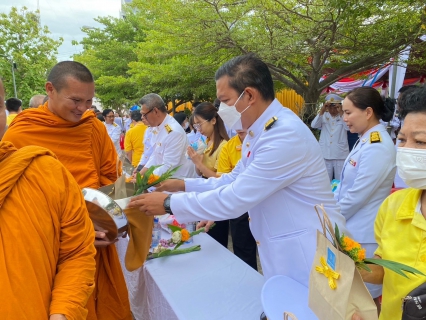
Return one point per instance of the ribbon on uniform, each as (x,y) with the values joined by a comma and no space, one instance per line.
(331,275)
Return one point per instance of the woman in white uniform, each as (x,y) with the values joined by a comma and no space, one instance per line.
(369,169)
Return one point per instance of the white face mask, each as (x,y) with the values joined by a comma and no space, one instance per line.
(230,116)
(411,165)
(186,126)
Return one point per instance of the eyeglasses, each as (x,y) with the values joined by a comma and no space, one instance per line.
(197,126)
(146,113)
(109,117)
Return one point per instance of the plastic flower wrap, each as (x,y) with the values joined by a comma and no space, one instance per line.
(354,250)
(179,237)
(149,179)
(199,146)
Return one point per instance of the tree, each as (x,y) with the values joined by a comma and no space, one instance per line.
(301,40)
(29,45)
(107,52)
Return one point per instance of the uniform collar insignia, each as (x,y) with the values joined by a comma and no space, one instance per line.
(375,137)
(168,128)
(270,123)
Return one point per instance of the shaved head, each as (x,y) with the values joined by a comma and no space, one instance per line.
(64,70)
(37,100)
(2,110)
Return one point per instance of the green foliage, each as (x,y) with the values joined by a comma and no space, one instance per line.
(30,46)
(300,40)
(107,53)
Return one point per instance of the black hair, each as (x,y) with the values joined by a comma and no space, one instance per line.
(248,71)
(180,117)
(100,117)
(13,104)
(136,115)
(61,71)
(106,112)
(207,111)
(365,97)
(412,101)
(405,88)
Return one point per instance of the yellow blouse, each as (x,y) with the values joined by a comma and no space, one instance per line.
(211,161)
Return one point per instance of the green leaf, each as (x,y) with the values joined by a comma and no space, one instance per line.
(362,265)
(394,266)
(169,252)
(174,228)
(194,233)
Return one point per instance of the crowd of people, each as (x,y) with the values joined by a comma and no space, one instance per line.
(246,163)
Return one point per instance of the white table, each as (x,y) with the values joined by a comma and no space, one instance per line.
(204,285)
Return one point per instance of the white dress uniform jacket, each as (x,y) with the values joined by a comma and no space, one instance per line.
(114,132)
(148,146)
(366,181)
(170,143)
(279,179)
(333,139)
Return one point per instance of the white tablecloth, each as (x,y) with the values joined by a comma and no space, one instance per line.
(204,285)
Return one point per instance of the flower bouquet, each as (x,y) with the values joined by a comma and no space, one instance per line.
(149,179)
(170,247)
(354,251)
(336,289)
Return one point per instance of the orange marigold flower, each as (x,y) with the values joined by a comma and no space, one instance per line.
(185,235)
(153,178)
(350,244)
(361,255)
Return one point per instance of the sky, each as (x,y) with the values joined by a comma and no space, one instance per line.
(64,18)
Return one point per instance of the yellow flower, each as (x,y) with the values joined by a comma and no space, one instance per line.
(361,255)
(350,244)
(185,235)
(153,178)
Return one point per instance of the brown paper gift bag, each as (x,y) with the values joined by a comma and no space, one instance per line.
(334,269)
(289,316)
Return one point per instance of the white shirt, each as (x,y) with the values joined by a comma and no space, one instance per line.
(147,146)
(127,122)
(169,148)
(366,180)
(333,139)
(114,133)
(279,179)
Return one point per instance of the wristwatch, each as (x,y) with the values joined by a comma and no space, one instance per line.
(166,204)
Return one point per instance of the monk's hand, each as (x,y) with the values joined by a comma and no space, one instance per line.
(152,204)
(171,185)
(206,224)
(57,316)
(101,239)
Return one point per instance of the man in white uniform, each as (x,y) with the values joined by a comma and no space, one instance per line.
(114,130)
(169,140)
(333,139)
(279,179)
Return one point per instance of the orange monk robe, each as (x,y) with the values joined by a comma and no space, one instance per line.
(47,254)
(86,150)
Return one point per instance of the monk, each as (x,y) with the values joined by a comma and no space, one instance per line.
(82,144)
(47,263)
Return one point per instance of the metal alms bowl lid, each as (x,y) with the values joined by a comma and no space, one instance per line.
(105,213)
(110,190)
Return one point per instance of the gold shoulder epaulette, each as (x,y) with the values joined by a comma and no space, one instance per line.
(114,124)
(168,128)
(270,123)
(375,137)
